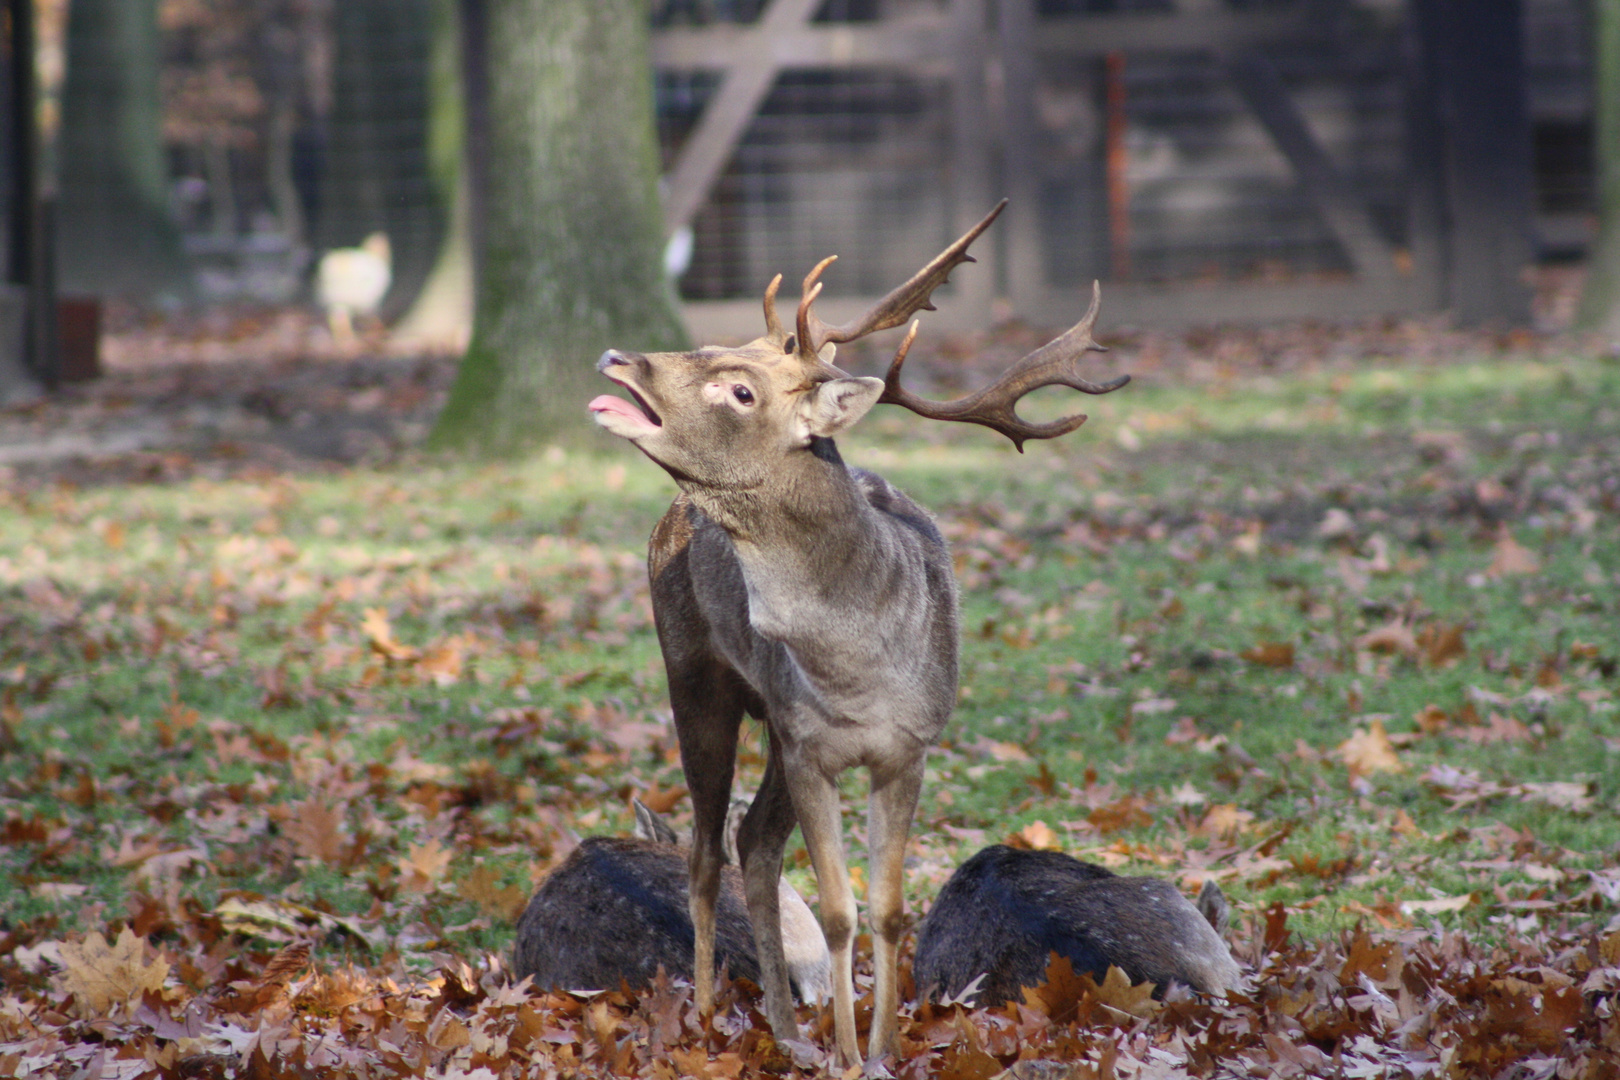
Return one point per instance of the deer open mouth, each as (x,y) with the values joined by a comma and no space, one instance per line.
(608,408)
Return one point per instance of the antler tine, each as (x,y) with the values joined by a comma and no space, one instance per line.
(811,289)
(1054,364)
(773,325)
(894,309)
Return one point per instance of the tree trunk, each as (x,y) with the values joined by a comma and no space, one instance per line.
(115,232)
(440,318)
(568,241)
(375,178)
(1600,301)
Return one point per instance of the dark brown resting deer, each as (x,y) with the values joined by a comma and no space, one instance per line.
(810,595)
(617,910)
(1004,912)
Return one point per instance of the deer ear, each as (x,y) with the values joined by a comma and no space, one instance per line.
(835,405)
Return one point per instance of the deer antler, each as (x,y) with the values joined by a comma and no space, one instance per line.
(893,310)
(995,406)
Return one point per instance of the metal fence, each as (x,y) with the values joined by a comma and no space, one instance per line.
(1135,146)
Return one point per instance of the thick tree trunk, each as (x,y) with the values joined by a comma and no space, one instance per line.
(568,245)
(1600,301)
(375,178)
(115,232)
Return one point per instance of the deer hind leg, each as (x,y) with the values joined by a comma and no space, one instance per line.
(708,707)
(760,842)
(815,801)
(889,812)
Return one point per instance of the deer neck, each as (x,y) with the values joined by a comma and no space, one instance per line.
(810,507)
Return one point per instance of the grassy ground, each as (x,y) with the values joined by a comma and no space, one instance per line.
(1344,640)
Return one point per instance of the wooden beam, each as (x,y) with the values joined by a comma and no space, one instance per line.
(1167,307)
(904,42)
(1474,52)
(749,75)
(920,39)
(1344,213)
(1211,30)
(1180,305)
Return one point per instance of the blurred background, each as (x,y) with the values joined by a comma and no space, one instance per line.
(1209,160)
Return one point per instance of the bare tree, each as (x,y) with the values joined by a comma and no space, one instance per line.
(568,225)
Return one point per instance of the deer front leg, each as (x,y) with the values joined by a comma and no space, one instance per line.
(815,801)
(760,842)
(708,709)
(889,812)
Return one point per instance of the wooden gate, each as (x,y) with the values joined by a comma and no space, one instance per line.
(1449,226)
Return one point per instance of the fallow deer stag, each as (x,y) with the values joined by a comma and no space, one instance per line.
(810,595)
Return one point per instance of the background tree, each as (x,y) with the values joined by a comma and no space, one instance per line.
(375,176)
(1600,301)
(115,231)
(568,224)
(441,315)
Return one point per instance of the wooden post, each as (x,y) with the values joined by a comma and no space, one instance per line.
(972,187)
(29,261)
(1117,162)
(1020,158)
(1473,54)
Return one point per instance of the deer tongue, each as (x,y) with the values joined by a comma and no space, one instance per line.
(617,406)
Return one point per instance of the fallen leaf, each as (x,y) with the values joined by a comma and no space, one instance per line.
(1273,654)
(1117,992)
(1442,645)
(100,975)
(1224,820)
(662,800)
(483,888)
(1510,558)
(380,634)
(1370,751)
(1431,719)
(423,865)
(1435,906)
(1562,794)
(1036,836)
(316,830)
(1394,637)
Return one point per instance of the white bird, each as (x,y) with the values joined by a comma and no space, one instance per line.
(352,281)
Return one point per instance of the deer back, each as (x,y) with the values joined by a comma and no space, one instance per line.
(1004,912)
(617,910)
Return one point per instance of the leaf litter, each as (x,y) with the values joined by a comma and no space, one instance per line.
(314,876)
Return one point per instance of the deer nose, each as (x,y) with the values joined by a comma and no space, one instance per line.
(611,358)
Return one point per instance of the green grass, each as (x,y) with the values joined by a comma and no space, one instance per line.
(188,679)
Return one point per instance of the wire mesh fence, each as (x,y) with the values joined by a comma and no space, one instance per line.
(290,127)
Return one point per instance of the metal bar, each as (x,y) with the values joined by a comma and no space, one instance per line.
(748,80)
(1263,90)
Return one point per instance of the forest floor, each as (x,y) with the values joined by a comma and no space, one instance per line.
(294,717)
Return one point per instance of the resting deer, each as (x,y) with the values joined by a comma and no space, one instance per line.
(1004,912)
(810,595)
(617,910)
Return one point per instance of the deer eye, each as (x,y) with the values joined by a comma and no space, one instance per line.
(742,394)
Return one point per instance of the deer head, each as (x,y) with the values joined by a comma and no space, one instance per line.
(725,418)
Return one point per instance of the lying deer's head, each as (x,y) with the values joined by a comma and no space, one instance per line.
(725,418)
